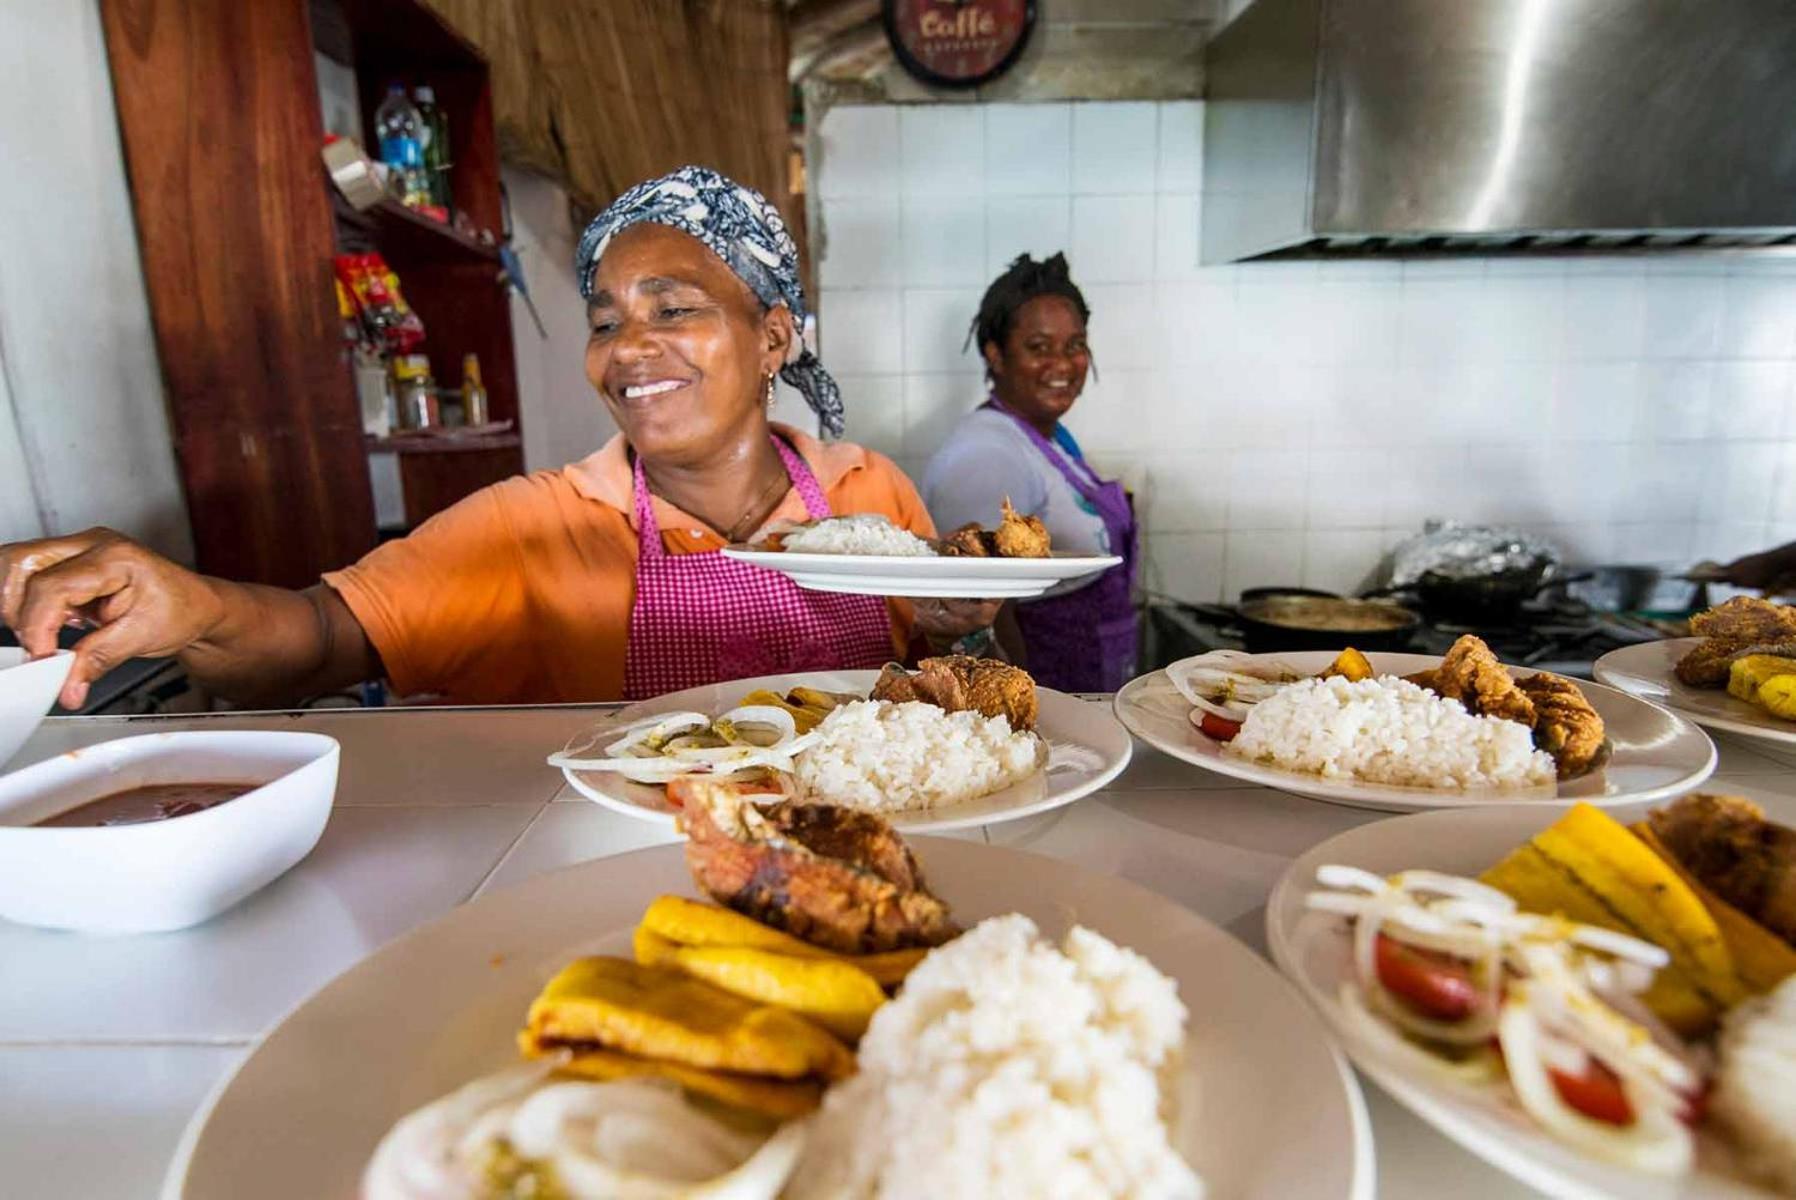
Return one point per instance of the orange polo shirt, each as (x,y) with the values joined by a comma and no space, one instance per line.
(521,593)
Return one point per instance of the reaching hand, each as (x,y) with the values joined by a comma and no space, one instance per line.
(139,603)
(1770,571)
(946,620)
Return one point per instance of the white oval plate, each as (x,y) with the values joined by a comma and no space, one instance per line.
(1656,754)
(1086,750)
(1647,671)
(938,575)
(1313,950)
(442,1005)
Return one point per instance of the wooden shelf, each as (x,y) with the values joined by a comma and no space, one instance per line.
(403,235)
(443,443)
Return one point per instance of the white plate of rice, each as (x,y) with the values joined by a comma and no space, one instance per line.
(868,555)
(914,765)
(1314,951)
(1392,746)
(1274,1111)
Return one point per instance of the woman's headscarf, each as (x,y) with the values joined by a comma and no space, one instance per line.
(743,229)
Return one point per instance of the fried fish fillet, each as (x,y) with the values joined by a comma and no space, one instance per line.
(958,682)
(1726,842)
(1471,674)
(1744,625)
(1709,663)
(838,879)
(1565,725)
(1746,619)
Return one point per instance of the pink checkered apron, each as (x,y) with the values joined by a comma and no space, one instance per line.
(703,618)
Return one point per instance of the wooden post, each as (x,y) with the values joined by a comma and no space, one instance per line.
(220,121)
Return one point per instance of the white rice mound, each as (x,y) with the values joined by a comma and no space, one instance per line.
(1386,730)
(1755,1088)
(865,534)
(1008,1067)
(878,756)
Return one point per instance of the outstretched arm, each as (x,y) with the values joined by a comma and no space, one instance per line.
(242,641)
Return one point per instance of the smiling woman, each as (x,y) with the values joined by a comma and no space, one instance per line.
(598,581)
(1031,332)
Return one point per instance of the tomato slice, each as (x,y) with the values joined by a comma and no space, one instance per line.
(1220,728)
(1597,1093)
(1435,985)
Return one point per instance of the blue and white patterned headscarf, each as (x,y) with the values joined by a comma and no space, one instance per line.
(743,229)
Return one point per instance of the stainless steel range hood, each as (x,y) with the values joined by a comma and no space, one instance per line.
(1416,126)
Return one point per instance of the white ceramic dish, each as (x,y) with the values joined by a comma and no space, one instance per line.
(1086,750)
(1647,671)
(1656,753)
(167,874)
(28,689)
(896,575)
(1277,1116)
(1313,949)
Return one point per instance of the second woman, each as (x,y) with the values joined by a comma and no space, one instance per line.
(1031,331)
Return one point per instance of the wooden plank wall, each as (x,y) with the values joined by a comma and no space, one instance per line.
(221,128)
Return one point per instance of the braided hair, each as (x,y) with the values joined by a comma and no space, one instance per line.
(1024,280)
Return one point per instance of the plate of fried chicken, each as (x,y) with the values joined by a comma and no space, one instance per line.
(956,743)
(1585,741)
(1738,674)
(869,556)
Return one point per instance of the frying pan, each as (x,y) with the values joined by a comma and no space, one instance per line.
(1493,599)
(1273,619)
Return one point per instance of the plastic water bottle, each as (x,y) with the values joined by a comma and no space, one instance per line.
(436,144)
(401,133)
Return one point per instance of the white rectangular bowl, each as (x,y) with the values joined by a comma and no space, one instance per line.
(165,874)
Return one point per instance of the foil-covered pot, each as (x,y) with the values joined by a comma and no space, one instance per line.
(1449,550)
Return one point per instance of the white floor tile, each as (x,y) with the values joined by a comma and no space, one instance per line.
(376,873)
(463,756)
(1225,884)
(573,830)
(99,1122)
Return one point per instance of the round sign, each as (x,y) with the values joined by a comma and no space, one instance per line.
(958,43)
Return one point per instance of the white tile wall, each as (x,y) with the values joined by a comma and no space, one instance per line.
(1291,422)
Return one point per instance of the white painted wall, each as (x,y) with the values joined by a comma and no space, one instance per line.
(84,436)
(563,419)
(1289,422)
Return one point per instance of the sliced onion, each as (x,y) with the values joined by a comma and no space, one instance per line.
(1470,1030)
(1226,683)
(1543,979)
(665,746)
(1480,1067)
(1656,1141)
(650,733)
(757,714)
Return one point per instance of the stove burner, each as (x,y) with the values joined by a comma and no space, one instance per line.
(1565,636)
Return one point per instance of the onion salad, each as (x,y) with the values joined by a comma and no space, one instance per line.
(1227,683)
(1448,974)
(659,748)
(524,1131)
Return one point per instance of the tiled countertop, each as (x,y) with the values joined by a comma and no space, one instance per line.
(108,1045)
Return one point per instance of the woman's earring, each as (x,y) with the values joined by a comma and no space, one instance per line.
(769,391)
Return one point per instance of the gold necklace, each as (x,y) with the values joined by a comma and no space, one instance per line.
(733,534)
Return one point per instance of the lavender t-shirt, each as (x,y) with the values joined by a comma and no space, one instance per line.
(986,458)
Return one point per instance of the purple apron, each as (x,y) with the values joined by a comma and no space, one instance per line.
(1085,640)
